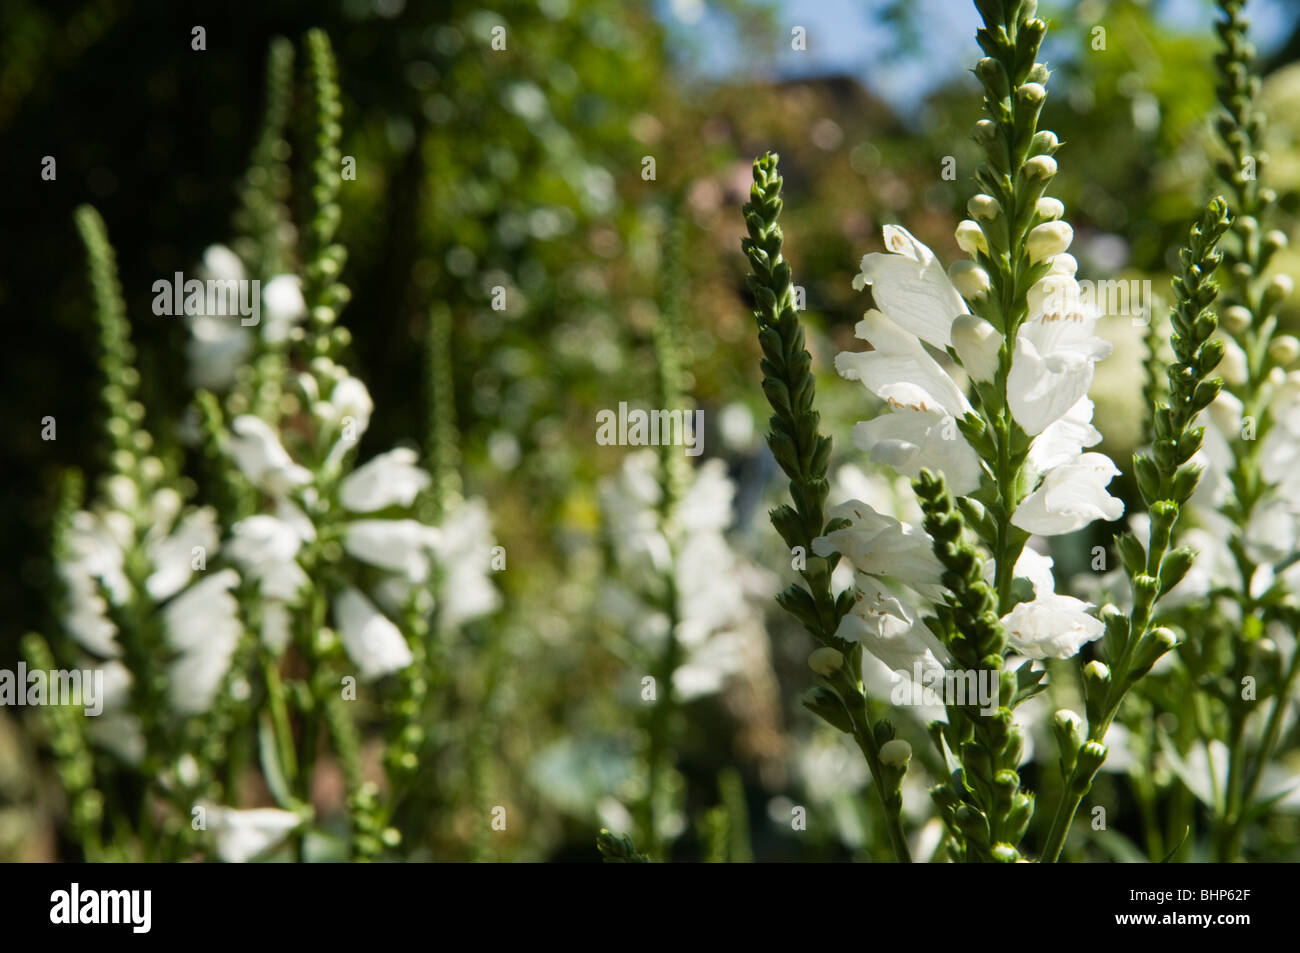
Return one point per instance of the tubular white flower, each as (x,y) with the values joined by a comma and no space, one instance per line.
(202,624)
(285,307)
(173,555)
(259,455)
(265,549)
(1070,497)
(909,440)
(977,344)
(402,546)
(1051,626)
(910,286)
(241,836)
(464,547)
(899,370)
(222,264)
(1064,439)
(1033,567)
(350,400)
(1056,354)
(886,627)
(373,643)
(970,280)
(390,479)
(921,430)
(880,545)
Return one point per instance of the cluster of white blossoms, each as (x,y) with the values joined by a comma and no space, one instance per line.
(220,344)
(719,623)
(1051,369)
(141,553)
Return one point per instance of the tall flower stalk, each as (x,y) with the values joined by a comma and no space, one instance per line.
(803,453)
(1166,478)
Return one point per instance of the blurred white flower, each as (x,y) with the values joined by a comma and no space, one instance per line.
(202,624)
(373,643)
(390,479)
(283,306)
(241,836)
(257,451)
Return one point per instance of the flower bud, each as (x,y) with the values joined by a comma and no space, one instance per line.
(970,280)
(1032,94)
(825,660)
(985,131)
(1048,239)
(1096,686)
(1235,319)
(984,207)
(1068,729)
(1040,168)
(977,344)
(970,238)
(1275,239)
(1044,143)
(896,752)
(1277,290)
(1005,853)
(1050,209)
(1284,349)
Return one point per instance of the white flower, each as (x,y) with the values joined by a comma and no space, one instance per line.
(390,479)
(1056,350)
(886,626)
(241,836)
(202,625)
(262,459)
(880,545)
(464,548)
(265,548)
(373,643)
(91,568)
(1032,566)
(1064,439)
(350,401)
(909,285)
(921,430)
(285,307)
(977,344)
(219,344)
(115,728)
(1070,497)
(173,555)
(401,546)
(1051,626)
